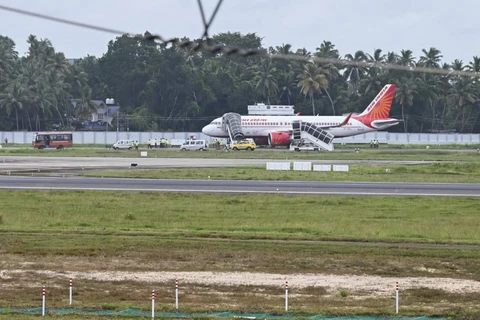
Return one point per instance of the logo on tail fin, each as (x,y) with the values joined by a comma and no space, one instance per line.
(379,108)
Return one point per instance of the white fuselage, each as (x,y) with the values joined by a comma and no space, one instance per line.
(261,126)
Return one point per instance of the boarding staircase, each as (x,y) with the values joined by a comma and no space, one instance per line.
(232,123)
(305,133)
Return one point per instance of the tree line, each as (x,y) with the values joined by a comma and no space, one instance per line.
(164,88)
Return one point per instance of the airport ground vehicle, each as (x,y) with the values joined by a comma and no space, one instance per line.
(122,144)
(197,145)
(244,145)
(303,145)
(53,139)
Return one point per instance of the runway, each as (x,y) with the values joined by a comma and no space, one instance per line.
(241,186)
(27,163)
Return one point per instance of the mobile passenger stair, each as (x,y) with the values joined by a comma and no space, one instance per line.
(307,136)
(232,123)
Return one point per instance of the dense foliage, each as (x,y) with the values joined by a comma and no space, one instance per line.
(162,88)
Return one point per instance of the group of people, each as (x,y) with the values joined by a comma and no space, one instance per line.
(374,143)
(218,144)
(134,144)
(156,143)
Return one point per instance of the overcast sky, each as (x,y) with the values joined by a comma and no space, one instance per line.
(391,25)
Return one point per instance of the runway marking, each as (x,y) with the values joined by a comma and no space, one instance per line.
(246,191)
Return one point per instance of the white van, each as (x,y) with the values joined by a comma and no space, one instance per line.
(123,144)
(194,145)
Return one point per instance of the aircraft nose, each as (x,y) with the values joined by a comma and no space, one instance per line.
(205,130)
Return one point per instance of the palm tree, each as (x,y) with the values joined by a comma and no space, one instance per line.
(474,65)
(377,56)
(8,58)
(430,91)
(372,83)
(457,65)
(266,82)
(391,57)
(58,63)
(11,99)
(406,58)
(404,95)
(303,52)
(287,81)
(83,107)
(327,50)
(60,90)
(312,81)
(431,58)
(461,95)
(284,49)
(353,73)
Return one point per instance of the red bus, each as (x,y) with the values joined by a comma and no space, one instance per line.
(54,139)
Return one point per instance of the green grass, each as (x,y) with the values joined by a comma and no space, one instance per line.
(342,154)
(411,219)
(105,231)
(437,173)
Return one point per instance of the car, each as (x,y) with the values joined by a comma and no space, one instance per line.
(244,145)
(301,145)
(198,145)
(123,144)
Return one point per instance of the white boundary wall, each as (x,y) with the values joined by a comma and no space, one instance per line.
(101,137)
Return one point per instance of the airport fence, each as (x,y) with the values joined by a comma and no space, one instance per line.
(177,138)
(131,312)
(153,312)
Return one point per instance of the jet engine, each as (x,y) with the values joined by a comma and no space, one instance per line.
(279,139)
(262,141)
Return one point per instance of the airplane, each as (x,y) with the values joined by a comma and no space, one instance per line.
(277,130)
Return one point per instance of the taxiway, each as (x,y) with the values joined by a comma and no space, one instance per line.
(241,186)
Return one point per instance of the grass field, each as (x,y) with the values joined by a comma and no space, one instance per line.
(343,154)
(437,173)
(139,232)
(244,216)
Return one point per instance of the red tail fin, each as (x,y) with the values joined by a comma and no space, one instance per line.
(379,108)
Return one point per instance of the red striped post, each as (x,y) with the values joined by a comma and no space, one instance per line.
(286,295)
(396,297)
(176,293)
(153,304)
(71,288)
(44,292)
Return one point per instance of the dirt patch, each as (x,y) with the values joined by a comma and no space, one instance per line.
(374,285)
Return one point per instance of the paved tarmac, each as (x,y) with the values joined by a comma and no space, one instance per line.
(245,187)
(16,164)
(27,163)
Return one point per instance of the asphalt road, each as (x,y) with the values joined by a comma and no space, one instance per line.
(246,187)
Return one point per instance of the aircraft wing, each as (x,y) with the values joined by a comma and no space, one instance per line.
(344,122)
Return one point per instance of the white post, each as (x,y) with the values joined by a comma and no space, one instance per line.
(286,296)
(396,297)
(71,291)
(176,293)
(153,304)
(43,301)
